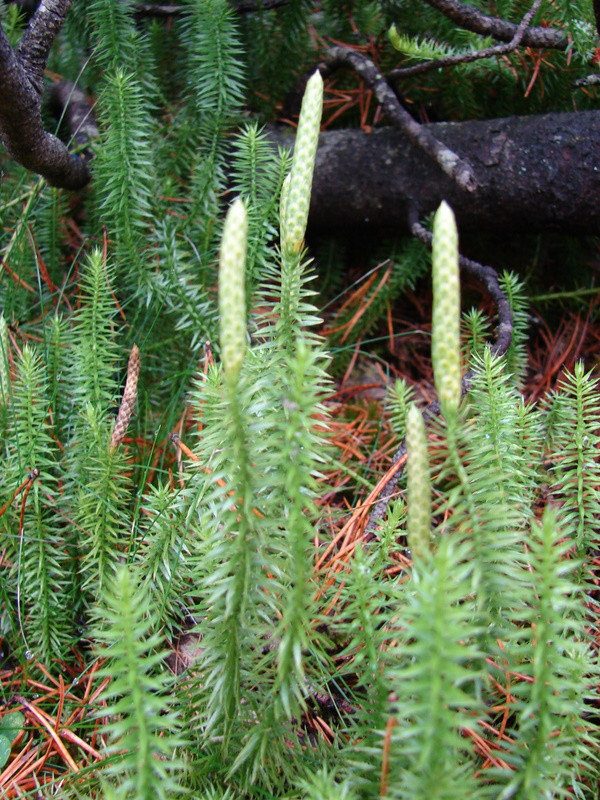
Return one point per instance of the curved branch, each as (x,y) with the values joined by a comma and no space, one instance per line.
(473,20)
(38,37)
(455,167)
(21,87)
(467,58)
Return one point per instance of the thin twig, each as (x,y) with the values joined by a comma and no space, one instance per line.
(589,80)
(467,58)
(473,20)
(456,168)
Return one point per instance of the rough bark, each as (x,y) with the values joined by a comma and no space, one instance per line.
(471,18)
(21,88)
(535,173)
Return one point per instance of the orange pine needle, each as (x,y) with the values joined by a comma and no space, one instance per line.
(28,480)
(41,717)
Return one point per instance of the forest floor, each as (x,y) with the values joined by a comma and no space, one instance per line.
(60,701)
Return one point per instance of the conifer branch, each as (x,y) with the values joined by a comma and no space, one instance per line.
(467,58)
(455,167)
(474,20)
(21,128)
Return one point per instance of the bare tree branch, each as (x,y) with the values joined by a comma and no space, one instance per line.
(455,167)
(466,58)
(142,10)
(21,90)
(257,5)
(473,20)
(37,39)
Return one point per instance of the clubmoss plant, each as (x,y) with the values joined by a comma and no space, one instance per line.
(142,729)
(399,397)
(573,445)
(186,553)
(4,365)
(418,524)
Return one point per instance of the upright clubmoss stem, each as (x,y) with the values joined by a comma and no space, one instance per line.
(285,190)
(4,369)
(418,526)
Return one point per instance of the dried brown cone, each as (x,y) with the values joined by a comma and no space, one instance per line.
(129,398)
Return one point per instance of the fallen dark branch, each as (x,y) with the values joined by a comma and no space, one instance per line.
(534,174)
(246,6)
(142,10)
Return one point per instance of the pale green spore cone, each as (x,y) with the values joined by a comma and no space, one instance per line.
(303,163)
(232,289)
(4,368)
(445,335)
(418,520)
